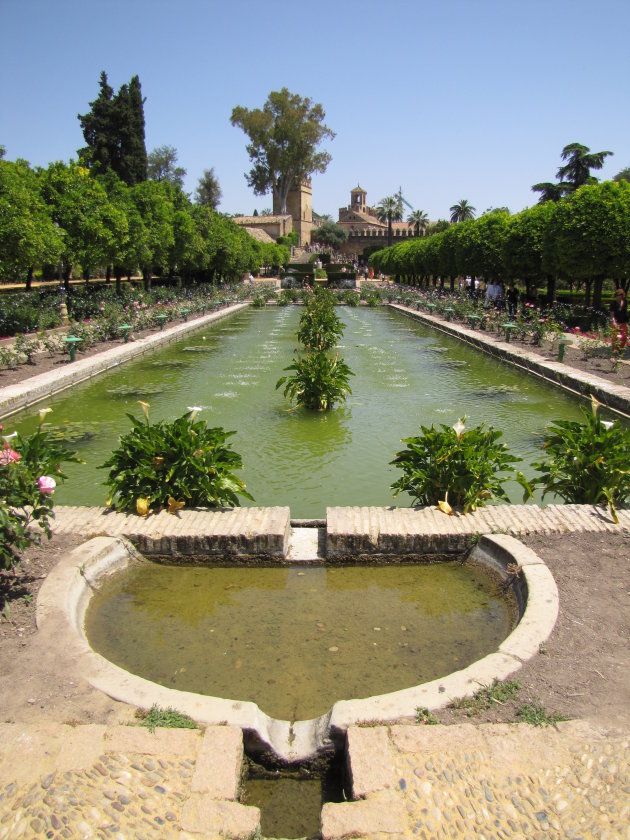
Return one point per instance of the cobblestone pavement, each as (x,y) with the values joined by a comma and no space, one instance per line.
(492,781)
(58,781)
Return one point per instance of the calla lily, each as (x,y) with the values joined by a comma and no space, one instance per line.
(145,409)
(142,506)
(595,405)
(194,409)
(10,437)
(445,507)
(459,428)
(42,414)
(174,506)
(608,424)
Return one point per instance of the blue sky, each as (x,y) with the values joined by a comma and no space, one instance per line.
(455,99)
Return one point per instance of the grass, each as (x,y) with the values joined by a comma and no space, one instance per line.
(498,692)
(535,715)
(166,718)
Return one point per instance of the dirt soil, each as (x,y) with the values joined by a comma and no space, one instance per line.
(45,361)
(583,671)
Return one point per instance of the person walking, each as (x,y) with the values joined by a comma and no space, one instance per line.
(619,321)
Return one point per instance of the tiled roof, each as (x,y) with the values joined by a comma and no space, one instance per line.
(259,220)
(259,234)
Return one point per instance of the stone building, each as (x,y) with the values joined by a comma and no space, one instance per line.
(273,226)
(364,227)
(300,208)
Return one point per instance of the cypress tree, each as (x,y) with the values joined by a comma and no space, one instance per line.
(100,153)
(114,132)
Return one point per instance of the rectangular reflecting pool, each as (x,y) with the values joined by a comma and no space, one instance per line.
(406,375)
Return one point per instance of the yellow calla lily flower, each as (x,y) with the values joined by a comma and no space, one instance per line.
(174,506)
(142,506)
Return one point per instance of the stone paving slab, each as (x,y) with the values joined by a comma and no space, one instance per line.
(366,531)
(189,534)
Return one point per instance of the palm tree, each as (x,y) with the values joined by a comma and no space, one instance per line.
(580,160)
(462,212)
(419,221)
(388,210)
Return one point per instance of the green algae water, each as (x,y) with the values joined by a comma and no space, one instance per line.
(406,375)
(295,640)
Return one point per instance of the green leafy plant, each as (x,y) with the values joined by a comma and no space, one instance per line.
(167,718)
(173,464)
(535,715)
(320,380)
(453,467)
(587,463)
(426,717)
(30,468)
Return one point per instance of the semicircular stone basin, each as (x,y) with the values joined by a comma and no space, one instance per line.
(296,639)
(294,655)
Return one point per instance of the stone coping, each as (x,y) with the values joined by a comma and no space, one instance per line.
(65,594)
(614,397)
(16,397)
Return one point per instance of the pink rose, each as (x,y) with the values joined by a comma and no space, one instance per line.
(7,455)
(46,485)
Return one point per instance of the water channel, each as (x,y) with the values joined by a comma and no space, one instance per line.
(406,375)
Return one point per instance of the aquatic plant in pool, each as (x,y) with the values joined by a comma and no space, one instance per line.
(455,467)
(587,463)
(173,464)
(320,379)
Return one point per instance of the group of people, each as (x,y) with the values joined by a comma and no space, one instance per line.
(495,295)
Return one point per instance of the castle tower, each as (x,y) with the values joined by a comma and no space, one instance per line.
(358,198)
(300,208)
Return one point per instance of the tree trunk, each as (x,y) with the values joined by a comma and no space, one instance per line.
(146,276)
(551,289)
(29,279)
(587,292)
(108,274)
(597,292)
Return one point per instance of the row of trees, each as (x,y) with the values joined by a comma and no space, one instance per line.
(585,237)
(65,216)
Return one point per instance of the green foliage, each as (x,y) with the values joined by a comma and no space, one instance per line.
(320,380)
(535,715)
(258,302)
(587,463)
(284,136)
(29,468)
(482,700)
(167,718)
(114,132)
(331,234)
(172,464)
(454,466)
(319,326)
(426,717)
